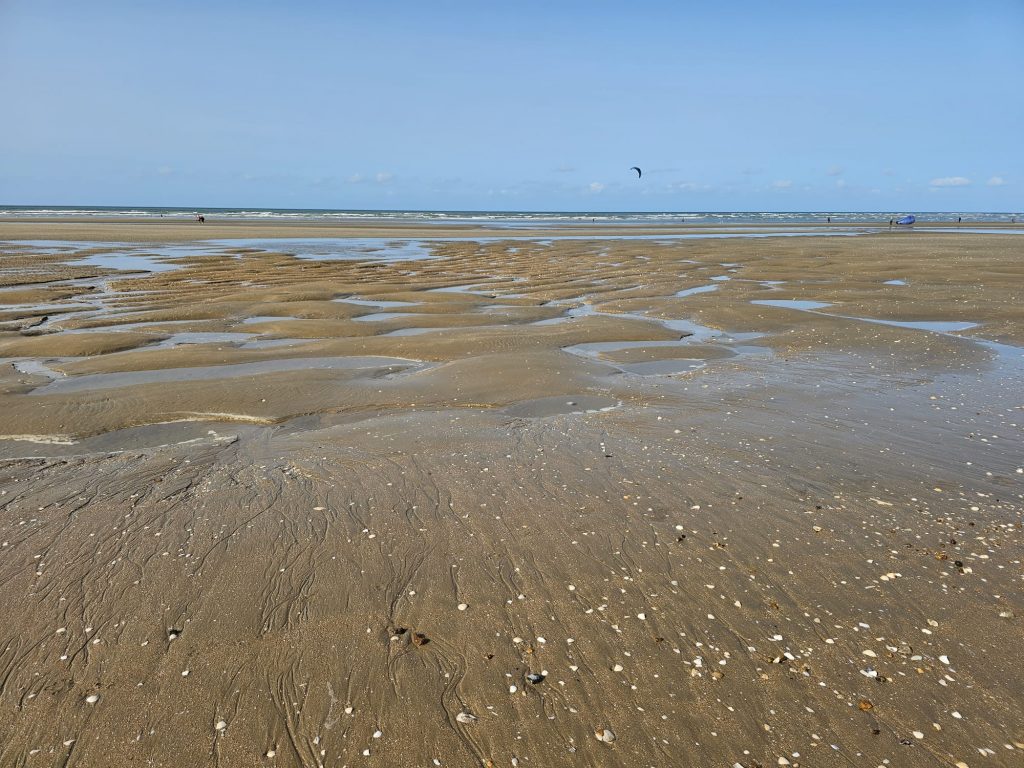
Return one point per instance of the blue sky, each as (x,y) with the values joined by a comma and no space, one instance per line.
(522,106)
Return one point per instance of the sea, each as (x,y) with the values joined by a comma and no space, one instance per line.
(514,219)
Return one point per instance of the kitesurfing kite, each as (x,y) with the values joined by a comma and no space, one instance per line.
(639,173)
(907,221)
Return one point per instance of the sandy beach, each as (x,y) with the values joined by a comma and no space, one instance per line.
(297,494)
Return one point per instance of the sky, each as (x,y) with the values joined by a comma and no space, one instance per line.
(878,106)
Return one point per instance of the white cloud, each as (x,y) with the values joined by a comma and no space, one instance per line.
(835,170)
(996,181)
(596,186)
(950,181)
(384,177)
(782,184)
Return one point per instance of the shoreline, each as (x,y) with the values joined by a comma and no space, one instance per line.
(124,229)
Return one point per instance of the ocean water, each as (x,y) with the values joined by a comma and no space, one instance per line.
(512,219)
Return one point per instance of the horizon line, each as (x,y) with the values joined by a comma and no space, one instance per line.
(471,210)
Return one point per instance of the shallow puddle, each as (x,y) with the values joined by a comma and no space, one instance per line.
(206,373)
(36,368)
(411,331)
(562,405)
(271,343)
(458,289)
(695,291)
(383,303)
(336,248)
(202,337)
(666,367)
(377,317)
(662,367)
(192,430)
(936,326)
(266,319)
(792,303)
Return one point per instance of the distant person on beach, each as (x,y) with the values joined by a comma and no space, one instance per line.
(200,218)
(890,223)
(828,220)
(958,220)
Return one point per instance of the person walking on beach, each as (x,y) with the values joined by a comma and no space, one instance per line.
(890,223)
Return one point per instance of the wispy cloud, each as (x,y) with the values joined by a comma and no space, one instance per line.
(782,184)
(996,181)
(381,177)
(596,186)
(950,181)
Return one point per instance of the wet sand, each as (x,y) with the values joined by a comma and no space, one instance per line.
(517,503)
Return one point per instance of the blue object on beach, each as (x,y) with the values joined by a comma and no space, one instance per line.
(906,220)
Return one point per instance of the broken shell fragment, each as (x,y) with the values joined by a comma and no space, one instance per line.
(605,734)
(466,717)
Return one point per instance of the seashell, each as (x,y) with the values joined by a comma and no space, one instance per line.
(535,678)
(466,717)
(607,735)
